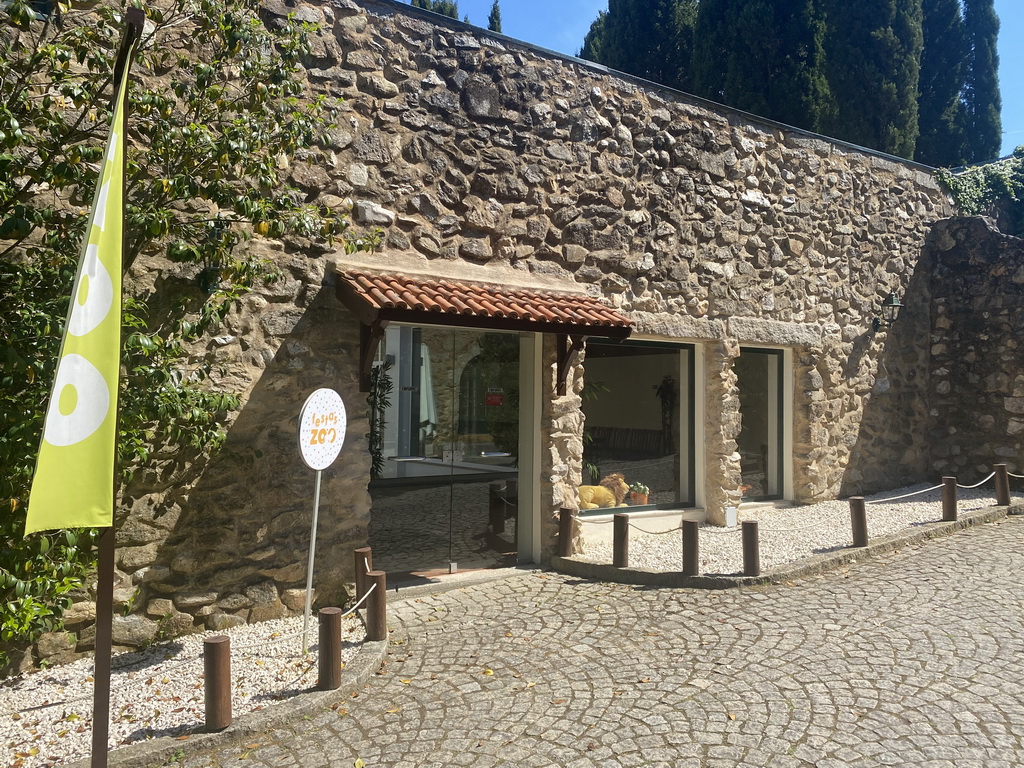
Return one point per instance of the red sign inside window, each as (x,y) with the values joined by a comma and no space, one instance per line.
(494,396)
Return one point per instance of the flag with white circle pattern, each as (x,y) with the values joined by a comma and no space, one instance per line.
(73,485)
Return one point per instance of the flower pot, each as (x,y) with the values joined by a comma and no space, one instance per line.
(637,498)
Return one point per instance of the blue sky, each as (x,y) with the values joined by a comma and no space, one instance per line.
(560,25)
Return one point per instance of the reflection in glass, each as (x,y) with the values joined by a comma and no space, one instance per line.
(759,379)
(637,402)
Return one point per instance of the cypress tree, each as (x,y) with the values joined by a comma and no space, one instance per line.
(980,119)
(448,8)
(712,38)
(644,38)
(873,66)
(943,67)
(494,19)
(593,41)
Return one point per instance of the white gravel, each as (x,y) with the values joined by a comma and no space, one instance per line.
(786,534)
(46,716)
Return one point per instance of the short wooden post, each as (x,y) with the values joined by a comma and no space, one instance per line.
(330,649)
(858,521)
(691,548)
(751,549)
(620,540)
(377,606)
(217,681)
(1002,485)
(949,498)
(363,563)
(566,517)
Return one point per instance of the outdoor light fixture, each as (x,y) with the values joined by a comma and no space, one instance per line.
(890,311)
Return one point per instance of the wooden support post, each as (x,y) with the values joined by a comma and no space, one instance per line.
(377,606)
(691,548)
(566,517)
(1002,485)
(330,649)
(751,549)
(858,521)
(217,680)
(363,563)
(620,540)
(949,498)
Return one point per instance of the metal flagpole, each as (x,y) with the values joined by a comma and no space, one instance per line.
(134,19)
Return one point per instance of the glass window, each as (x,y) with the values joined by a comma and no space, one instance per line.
(759,379)
(638,406)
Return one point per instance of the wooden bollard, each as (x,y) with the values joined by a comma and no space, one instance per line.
(566,517)
(751,549)
(377,606)
(1002,485)
(858,521)
(330,649)
(949,498)
(217,681)
(620,540)
(363,563)
(691,548)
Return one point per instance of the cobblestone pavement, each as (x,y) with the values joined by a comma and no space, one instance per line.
(913,659)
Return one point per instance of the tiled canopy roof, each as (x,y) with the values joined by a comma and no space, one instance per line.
(375,297)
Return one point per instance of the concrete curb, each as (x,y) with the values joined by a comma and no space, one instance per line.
(162,751)
(810,566)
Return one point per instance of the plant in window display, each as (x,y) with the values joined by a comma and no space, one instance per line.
(639,493)
(379,400)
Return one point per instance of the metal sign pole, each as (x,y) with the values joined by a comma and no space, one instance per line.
(309,566)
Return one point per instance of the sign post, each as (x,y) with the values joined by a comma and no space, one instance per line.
(322,423)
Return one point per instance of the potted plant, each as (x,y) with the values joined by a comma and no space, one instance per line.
(638,493)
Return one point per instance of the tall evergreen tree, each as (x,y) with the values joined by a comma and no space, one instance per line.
(593,41)
(943,68)
(448,8)
(981,101)
(873,66)
(774,60)
(494,18)
(711,40)
(649,38)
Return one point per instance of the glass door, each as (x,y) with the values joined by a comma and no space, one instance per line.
(759,379)
(445,477)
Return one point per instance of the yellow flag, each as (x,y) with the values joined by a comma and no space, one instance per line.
(73,484)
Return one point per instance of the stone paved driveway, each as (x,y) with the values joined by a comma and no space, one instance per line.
(913,660)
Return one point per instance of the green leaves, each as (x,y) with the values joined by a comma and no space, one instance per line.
(217,101)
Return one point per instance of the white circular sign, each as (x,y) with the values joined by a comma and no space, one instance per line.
(322,425)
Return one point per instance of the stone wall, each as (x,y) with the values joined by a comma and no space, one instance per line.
(977,350)
(475,153)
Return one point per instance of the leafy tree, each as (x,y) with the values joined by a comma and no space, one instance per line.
(216,101)
(494,18)
(943,61)
(448,8)
(982,128)
(873,68)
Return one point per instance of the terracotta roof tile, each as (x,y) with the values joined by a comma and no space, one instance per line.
(386,295)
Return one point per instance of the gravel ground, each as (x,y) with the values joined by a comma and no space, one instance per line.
(787,534)
(46,716)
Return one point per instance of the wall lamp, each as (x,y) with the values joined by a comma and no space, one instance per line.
(890,311)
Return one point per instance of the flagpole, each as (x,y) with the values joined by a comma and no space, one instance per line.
(134,20)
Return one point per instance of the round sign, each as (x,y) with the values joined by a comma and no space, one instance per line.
(322,425)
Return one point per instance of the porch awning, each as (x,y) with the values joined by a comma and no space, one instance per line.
(378,299)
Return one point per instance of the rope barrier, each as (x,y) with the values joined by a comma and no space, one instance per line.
(977,484)
(1019,477)
(352,610)
(594,522)
(654,533)
(904,496)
